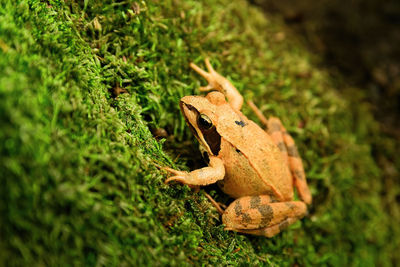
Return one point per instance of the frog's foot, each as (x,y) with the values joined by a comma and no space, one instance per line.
(203,176)
(219,83)
(178,175)
(257,215)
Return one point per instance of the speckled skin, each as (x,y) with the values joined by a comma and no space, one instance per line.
(258,168)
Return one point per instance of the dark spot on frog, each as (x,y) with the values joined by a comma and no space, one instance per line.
(240,123)
(238,151)
(238,208)
(255,202)
(281,146)
(267,214)
(298,174)
(292,151)
(245,218)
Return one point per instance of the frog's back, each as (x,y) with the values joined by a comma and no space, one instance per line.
(253,162)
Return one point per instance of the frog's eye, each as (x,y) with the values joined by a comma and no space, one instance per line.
(204,122)
(211,136)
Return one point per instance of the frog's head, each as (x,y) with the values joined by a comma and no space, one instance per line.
(201,115)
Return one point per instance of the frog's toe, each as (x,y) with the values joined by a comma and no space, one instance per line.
(170,170)
(178,178)
(206,88)
(200,71)
(209,66)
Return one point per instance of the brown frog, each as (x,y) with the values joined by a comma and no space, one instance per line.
(257,167)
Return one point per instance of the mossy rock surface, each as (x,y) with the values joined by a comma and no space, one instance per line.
(84,88)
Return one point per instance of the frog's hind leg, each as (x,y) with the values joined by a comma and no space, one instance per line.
(257,215)
(289,151)
(274,130)
(288,147)
(217,82)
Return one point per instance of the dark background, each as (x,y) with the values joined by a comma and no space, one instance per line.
(359,41)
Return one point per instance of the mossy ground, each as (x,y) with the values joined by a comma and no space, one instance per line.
(79,184)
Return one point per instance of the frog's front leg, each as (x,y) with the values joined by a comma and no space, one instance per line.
(219,83)
(261,215)
(204,176)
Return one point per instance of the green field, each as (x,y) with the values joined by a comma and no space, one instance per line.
(84,88)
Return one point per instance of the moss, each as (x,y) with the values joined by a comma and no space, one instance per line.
(79,183)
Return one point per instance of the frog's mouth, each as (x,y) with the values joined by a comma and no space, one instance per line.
(209,139)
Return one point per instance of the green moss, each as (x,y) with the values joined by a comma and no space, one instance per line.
(78,181)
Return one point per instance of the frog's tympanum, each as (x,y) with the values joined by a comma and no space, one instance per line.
(257,167)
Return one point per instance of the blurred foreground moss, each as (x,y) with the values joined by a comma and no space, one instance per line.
(82,84)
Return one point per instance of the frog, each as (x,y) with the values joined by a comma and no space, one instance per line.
(259,168)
